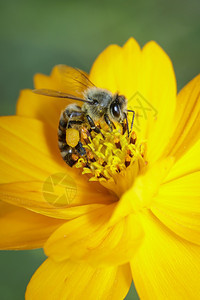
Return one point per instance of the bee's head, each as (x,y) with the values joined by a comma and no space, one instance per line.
(118,108)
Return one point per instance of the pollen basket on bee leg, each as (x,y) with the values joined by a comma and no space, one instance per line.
(72,137)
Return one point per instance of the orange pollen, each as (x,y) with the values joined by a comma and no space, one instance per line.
(109,153)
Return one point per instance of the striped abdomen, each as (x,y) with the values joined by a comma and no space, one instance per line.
(71,117)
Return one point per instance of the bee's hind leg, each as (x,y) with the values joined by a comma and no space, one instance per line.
(80,149)
(68,155)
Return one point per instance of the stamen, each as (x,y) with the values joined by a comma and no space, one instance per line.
(114,160)
(127,160)
(133,138)
(117,142)
(90,156)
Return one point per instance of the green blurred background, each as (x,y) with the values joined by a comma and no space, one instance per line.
(36,35)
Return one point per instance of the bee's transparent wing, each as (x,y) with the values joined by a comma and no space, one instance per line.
(57,94)
(74,81)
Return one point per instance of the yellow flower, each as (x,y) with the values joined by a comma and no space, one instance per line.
(143,223)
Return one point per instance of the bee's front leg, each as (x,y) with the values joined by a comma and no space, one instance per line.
(109,122)
(93,126)
(133,112)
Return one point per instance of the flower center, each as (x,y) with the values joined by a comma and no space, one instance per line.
(113,158)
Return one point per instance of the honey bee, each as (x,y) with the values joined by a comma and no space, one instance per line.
(76,121)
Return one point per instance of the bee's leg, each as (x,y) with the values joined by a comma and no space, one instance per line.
(127,125)
(93,126)
(109,122)
(124,127)
(132,111)
(81,150)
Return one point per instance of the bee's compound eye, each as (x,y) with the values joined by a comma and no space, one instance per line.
(115,110)
(72,137)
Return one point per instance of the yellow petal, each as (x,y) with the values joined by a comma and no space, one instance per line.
(186,119)
(147,79)
(165,267)
(29,157)
(22,229)
(178,206)
(68,280)
(128,68)
(45,82)
(90,238)
(188,163)
(104,70)
(157,85)
(30,195)
(116,68)
(28,150)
